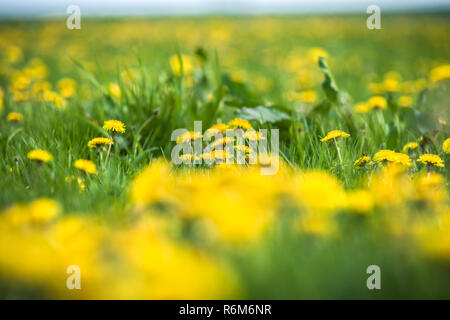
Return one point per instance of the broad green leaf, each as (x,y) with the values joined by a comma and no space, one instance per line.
(261,114)
(329,85)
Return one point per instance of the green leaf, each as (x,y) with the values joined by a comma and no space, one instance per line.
(261,114)
(329,85)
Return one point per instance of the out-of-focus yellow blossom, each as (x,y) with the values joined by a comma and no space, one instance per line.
(238,123)
(1,99)
(308,96)
(14,54)
(187,157)
(376,88)
(66,87)
(431,160)
(55,98)
(405,101)
(440,73)
(216,129)
(99,142)
(410,146)
(14,117)
(40,155)
(446,145)
(360,201)
(253,135)
(377,102)
(362,162)
(335,134)
(188,66)
(189,136)
(430,188)
(361,107)
(318,191)
(36,212)
(433,236)
(19,81)
(393,75)
(86,165)
(40,87)
(391,85)
(222,142)
(114,89)
(316,52)
(114,126)
(392,157)
(36,69)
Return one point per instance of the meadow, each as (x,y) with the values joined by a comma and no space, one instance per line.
(364,149)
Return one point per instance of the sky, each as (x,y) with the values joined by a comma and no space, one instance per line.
(36,8)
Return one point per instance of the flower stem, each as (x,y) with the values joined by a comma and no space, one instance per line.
(338,151)
(109,152)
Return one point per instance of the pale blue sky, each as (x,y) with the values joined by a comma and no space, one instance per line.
(155,7)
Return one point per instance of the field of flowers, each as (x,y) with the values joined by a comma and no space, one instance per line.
(86,123)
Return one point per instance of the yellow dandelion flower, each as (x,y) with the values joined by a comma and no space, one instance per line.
(431,160)
(377,102)
(392,157)
(114,126)
(114,90)
(223,141)
(335,134)
(315,52)
(391,85)
(189,136)
(410,146)
(238,123)
(40,155)
(308,96)
(55,98)
(14,117)
(361,107)
(43,210)
(186,157)
(100,141)
(446,145)
(222,127)
(440,73)
(405,101)
(86,165)
(253,135)
(66,87)
(362,162)
(188,66)
(360,201)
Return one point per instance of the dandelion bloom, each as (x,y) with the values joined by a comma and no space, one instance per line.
(405,101)
(223,141)
(188,66)
(440,73)
(114,90)
(40,155)
(393,157)
(431,160)
(308,96)
(253,135)
(238,123)
(114,126)
(362,161)
(188,136)
(446,146)
(14,117)
(66,87)
(410,146)
(377,102)
(335,134)
(86,165)
(361,107)
(100,141)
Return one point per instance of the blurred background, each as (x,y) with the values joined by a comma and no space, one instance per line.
(30,8)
